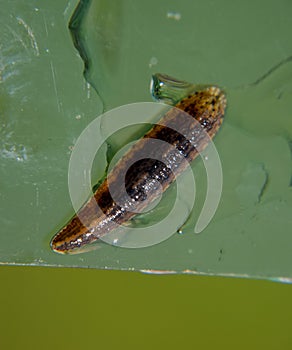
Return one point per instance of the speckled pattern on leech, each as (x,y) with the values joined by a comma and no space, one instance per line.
(207,108)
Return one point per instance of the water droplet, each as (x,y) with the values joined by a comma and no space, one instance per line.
(153,62)
(169,90)
(173,15)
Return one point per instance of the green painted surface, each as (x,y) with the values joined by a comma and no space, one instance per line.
(244,47)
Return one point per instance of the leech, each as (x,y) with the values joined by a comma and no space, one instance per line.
(206,108)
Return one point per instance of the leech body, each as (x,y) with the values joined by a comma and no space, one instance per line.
(207,109)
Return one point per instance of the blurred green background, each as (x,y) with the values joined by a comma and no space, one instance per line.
(44,308)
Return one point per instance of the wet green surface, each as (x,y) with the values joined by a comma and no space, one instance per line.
(46,103)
